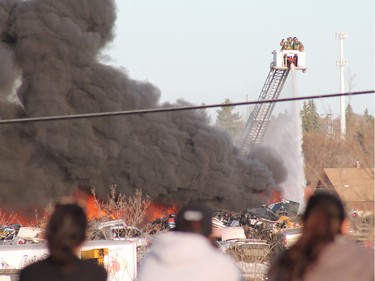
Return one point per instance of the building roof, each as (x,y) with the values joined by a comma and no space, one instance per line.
(355,186)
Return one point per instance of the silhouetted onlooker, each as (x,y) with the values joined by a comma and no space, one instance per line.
(65,233)
(187,254)
(322,252)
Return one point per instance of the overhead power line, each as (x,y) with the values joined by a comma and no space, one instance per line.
(170,109)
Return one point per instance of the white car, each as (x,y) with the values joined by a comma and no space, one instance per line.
(119,230)
(288,236)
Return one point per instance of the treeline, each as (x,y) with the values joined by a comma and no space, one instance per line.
(323,144)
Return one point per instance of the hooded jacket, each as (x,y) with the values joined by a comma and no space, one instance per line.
(180,256)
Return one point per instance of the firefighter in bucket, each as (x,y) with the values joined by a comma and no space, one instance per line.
(291,44)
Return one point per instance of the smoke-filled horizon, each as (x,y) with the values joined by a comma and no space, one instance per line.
(49,52)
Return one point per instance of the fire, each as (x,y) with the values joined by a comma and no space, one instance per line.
(93,209)
(29,217)
(38,215)
(276,197)
(156,211)
(89,202)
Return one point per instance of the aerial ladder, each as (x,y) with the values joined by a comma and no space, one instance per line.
(259,118)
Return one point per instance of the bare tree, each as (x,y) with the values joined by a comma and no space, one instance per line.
(131,209)
(7,219)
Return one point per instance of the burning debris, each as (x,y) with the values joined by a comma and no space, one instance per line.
(49,51)
(254,236)
(262,222)
(241,235)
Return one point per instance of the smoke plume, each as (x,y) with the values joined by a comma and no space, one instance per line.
(50,49)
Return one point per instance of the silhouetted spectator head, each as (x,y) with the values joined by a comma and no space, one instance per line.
(66,231)
(194,218)
(324,215)
(321,252)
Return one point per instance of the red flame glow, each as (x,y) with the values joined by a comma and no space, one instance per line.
(276,197)
(93,210)
(30,217)
(156,211)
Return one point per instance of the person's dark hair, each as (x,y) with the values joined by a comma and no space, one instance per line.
(66,230)
(322,222)
(195,218)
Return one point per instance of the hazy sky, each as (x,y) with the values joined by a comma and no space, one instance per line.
(205,51)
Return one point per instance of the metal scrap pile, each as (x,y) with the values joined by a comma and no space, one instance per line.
(8,233)
(250,236)
(262,222)
(16,234)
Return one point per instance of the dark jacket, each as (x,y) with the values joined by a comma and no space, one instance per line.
(77,270)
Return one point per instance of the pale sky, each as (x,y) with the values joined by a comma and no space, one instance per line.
(205,51)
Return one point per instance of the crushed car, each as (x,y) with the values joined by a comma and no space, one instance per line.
(119,230)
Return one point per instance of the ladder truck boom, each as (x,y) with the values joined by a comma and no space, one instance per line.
(259,118)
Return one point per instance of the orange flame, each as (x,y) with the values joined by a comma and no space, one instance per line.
(30,217)
(156,211)
(276,197)
(89,202)
(93,209)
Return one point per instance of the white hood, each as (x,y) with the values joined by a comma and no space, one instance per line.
(186,257)
(179,247)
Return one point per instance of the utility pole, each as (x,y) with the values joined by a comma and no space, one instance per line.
(329,123)
(341,62)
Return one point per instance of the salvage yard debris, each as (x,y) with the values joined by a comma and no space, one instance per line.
(252,236)
(16,235)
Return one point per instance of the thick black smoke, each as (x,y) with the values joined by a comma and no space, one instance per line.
(50,47)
